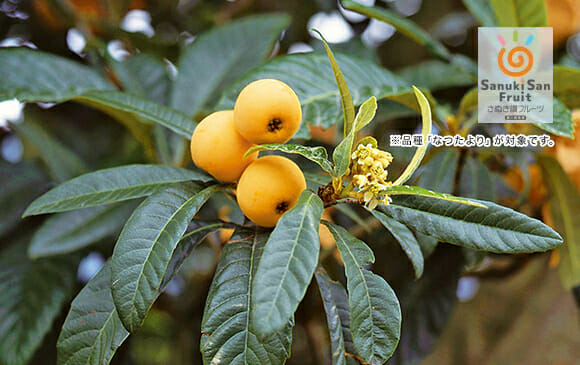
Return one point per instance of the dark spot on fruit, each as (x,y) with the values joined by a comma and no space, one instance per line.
(282,207)
(274,125)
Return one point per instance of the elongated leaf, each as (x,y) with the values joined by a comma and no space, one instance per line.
(565,211)
(144,75)
(93,316)
(366,113)
(311,77)
(67,232)
(228,333)
(482,11)
(93,313)
(32,76)
(439,172)
(407,240)
(218,57)
(290,258)
(110,186)
(563,124)
(315,154)
(113,102)
(416,190)
(520,13)
(335,302)
(435,75)
(19,185)
(345,96)
(493,228)
(375,315)
(403,25)
(145,247)
(62,163)
(342,154)
(425,131)
(32,294)
(476,181)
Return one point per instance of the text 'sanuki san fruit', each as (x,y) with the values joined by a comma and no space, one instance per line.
(267,111)
(219,149)
(268,188)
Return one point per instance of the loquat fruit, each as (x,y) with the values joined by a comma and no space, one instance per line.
(268,188)
(219,149)
(267,111)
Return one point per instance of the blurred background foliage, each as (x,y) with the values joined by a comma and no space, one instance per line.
(466,309)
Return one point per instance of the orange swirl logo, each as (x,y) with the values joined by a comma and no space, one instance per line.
(520,59)
(519,64)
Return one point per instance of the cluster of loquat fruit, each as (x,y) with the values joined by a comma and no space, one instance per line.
(266,111)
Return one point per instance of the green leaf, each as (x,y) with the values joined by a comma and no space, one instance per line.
(476,181)
(435,75)
(71,231)
(110,186)
(366,113)
(565,210)
(425,131)
(439,172)
(335,302)
(482,11)
(290,258)
(407,240)
(311,77)
(228,333)
(520,13)
(416,190)
(32,76)
(403,25)
(62,163)
(144,75)
(491,228)
(342,153)
(375,315)
(317,154)
(20,184)
(93,316)
(563,124)
(316,179)
(93,313)
(567,85)
(345,96)
(32,294)
(220,56)
(113,102)
(145,247)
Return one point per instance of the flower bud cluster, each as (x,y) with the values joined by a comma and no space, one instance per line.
(368,167)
